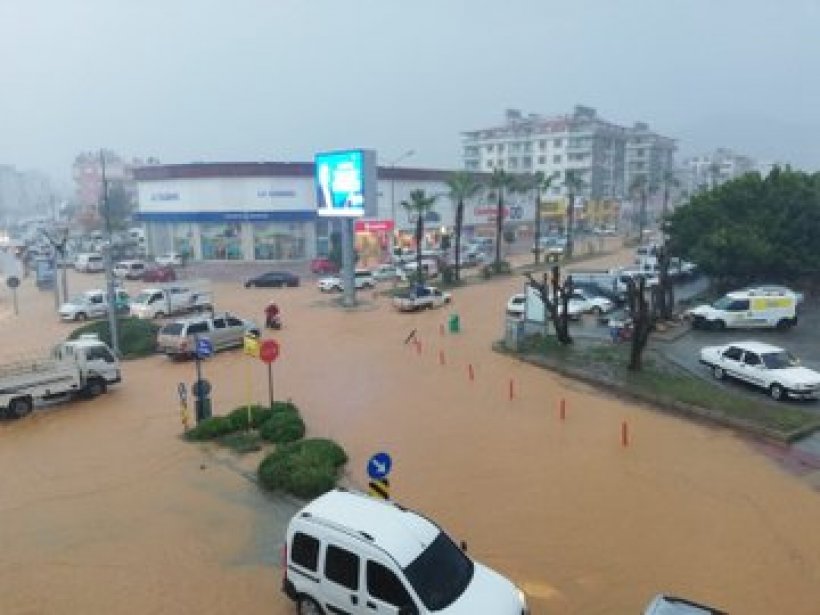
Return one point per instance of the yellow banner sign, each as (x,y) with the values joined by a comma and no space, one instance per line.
(250,346)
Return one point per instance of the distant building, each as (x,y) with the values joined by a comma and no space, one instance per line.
(605,155)
(707,171)
(87,174)
(25,193)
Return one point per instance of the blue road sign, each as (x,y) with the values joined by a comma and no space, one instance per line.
(204,348)
(379,466)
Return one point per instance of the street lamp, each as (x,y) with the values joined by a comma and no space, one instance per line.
(392,166)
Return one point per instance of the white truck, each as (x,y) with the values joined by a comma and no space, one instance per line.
(420,298)
(82,367)
(171,299)
(92,304)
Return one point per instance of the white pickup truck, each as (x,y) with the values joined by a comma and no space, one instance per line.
(92,304)
(419,298)
(81,367)
(170,299)
(771,368)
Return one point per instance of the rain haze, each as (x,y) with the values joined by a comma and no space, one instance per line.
(280,79)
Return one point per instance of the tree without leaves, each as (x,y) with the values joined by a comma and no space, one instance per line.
(663,302)
(418,205)
(574,184)
(642,321)
(555,295)
(463,186)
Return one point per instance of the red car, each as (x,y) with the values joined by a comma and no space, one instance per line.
(323,265)
(162,273)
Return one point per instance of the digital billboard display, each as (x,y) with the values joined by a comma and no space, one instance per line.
(342,182)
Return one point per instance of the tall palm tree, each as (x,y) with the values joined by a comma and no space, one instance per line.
(501,182)
(463,185)
(639,187)
(419,204)
(540,183)
(574,184)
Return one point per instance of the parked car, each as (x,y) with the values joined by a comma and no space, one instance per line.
(351,553)
(765,366)
(362,279)
(596,290)
(672,605)
(774,290)
(273,279)
(594,303)
(177,339)
(92,304)
(130,270)
(420,298)
(323,265)
(517,305)
(746,309)
(170,259)
(89,263)
(387,272)
(164,273)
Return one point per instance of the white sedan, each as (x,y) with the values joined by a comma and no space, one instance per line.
(576,306)
(763,365)
(516,306)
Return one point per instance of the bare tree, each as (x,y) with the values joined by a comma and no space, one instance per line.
(555,294)
(664,293)
(643,321)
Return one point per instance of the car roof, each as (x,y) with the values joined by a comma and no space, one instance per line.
(759,347)
(402,533)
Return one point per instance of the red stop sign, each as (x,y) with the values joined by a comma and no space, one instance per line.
(268,351)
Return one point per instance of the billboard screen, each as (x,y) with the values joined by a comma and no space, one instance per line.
(341,180)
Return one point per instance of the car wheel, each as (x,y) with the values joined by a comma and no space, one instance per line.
(718,372)
(783,324)
(249,284)
(159,315)
(307,606)
(20,407)
(597,311)
(777,392)
(718,325)
(95,388)
(80,316)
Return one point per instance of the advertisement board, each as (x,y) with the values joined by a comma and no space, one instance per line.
(345,182)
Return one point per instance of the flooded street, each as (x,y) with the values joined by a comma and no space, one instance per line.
(103,509)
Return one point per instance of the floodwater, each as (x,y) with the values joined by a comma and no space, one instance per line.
(103,509)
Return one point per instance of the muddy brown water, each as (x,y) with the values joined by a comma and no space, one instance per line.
(103,509)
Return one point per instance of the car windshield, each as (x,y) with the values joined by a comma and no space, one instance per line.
(174,328)
(77,299)
(142,297)
(780,360)
(722,303)
(440,574)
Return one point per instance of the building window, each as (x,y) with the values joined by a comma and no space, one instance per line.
(221,242)
(279,241)
(183,239)
(500,148)
(526,162)
(514,147)
(542,145)
(513,163)
(542,160)
(490,147)
(556,159)
(489,164)
(557,143)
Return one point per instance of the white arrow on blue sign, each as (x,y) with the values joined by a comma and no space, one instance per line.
(204,348)
(379,466)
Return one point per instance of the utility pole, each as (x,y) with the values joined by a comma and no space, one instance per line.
(109,272)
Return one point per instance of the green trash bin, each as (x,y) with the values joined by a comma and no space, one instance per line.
(454,323)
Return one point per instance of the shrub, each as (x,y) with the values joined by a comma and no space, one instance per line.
(283,427)
(138,338)
(259,414)
(285,406)
(306,469)
(499,268)
(241,442)
(211,428)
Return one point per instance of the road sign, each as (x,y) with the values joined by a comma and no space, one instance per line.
(204,348)
(201,388)
(269,351)
(380,489)
(183,393)
(250,345)
(12,281)
(379,466)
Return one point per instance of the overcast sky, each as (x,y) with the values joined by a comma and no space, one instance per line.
(215,80)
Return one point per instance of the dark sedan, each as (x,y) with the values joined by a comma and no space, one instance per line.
(273,279)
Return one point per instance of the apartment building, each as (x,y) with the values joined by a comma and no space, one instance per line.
(605,155)
(710,170)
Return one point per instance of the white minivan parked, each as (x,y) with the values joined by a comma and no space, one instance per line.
(350,553)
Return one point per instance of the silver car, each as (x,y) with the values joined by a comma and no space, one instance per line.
(177,339)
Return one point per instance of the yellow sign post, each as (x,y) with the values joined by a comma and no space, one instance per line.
(250,346)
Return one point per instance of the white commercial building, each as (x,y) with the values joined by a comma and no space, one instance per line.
(267,211)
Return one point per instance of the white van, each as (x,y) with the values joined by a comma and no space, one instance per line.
(747,309)
(428,265)
(89,263)
(349,553)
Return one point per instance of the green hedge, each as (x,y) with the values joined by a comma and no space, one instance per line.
(283,427)
(211,428)
(259,414)
(306,469)
(138,338)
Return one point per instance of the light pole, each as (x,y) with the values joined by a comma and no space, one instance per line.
(107,257)
(392,166)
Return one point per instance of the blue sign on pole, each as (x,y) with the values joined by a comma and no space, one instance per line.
(204,348)
(379,466)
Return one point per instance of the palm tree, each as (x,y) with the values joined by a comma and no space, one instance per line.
(419,204)
(501,181)
(574,184)
(669,181)
(462,185)
(540,183)
(639,187)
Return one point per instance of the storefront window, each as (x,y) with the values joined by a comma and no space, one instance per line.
(279,241)
(184,240)
(322,237)
(221,242)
